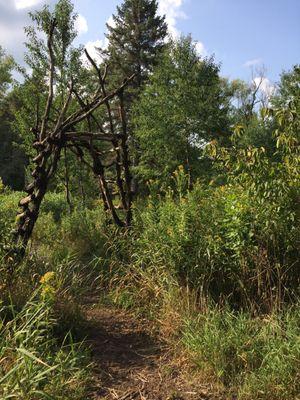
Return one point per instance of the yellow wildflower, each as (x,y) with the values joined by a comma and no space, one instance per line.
(49,276)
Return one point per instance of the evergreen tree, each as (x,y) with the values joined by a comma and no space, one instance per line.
(135,39)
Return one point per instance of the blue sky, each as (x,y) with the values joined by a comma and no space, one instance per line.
(240,31)
(242,34)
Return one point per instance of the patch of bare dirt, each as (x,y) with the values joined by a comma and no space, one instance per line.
(132,365)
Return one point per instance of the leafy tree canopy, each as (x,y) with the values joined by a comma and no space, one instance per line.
(183,106)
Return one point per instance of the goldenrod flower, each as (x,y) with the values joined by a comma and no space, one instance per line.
(47,277)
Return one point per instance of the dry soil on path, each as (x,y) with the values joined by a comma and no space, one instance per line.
(129,363)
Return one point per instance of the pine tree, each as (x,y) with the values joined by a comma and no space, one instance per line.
(135,39)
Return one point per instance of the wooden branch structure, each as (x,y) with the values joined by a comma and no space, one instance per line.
(65,133)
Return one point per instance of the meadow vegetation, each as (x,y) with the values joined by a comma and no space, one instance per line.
(214,268)
(211,257)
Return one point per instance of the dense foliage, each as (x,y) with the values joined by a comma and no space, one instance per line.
(12,158)
(212,257)
(182,108)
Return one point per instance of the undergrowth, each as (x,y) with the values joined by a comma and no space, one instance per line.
(35,365)
(206,268)
(259,356)
(214,269)
(42,349)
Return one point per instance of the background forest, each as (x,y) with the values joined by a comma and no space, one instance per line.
(208,254)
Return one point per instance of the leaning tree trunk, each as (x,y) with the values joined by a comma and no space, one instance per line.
(126,161)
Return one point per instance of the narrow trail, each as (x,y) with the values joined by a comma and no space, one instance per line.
(130,364)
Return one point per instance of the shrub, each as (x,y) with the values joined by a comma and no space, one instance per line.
(222,241)
(8,211)
(56,205)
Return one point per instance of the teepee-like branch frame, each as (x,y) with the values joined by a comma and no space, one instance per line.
(63,134)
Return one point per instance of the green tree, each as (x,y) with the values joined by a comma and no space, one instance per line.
(247,101)
(6,66)
(288,88)
(12,159)
(33,93)
(183,106)
(64,60)
(136,38)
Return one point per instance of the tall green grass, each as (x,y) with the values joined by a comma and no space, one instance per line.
(259,357)
(211,271)
(33,363)
(40,317)
(216,240)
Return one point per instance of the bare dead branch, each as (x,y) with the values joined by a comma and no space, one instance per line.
(64,109)
(84,105)
(84,135)
(83,114)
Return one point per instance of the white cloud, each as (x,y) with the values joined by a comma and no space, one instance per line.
(93,52)
(20,4)
(265,86)
(252,63)
(111,22)
(200,48)
(13,17)
(172,10)
(10,37)
(92,46)
(81,25)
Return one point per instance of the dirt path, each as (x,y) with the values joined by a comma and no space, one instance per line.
(130,364)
